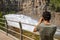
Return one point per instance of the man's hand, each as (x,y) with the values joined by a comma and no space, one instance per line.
(35,30)
(40,21)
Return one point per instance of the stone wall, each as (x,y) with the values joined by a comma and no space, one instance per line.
(57,19)
(32,7)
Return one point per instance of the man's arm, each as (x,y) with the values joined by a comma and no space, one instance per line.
(39,22)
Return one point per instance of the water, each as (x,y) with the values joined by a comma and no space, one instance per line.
(21,18)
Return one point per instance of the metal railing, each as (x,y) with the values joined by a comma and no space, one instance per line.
(20,25)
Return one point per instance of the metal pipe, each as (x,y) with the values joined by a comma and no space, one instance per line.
(21,31)
(6,25)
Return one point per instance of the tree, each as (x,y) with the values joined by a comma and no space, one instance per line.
(55,5)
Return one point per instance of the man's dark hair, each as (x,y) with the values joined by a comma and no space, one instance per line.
(46,15)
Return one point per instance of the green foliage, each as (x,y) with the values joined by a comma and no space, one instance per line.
(0,14)
(55,5)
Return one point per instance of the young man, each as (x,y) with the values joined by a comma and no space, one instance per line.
(45,28)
